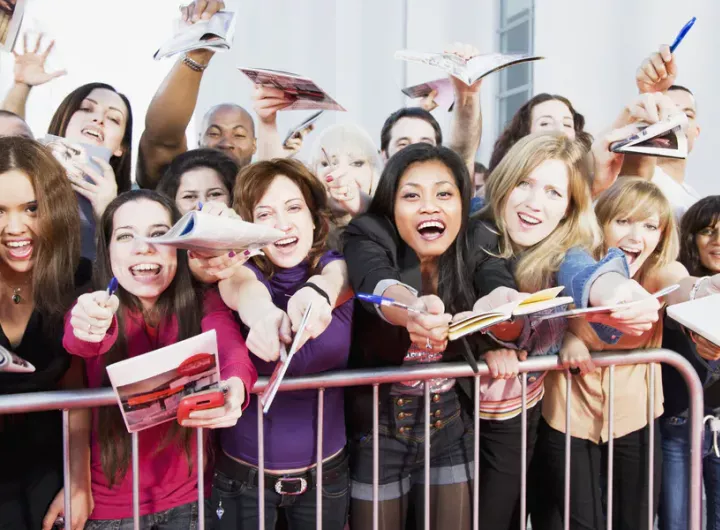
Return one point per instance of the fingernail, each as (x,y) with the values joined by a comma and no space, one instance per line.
(246,253)
(329,179)
(231,254)
(191,254)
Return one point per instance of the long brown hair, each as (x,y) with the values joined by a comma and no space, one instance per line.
(71,104)
(57,245)
(537,265)
(181,299)
(521,122)
(254,181)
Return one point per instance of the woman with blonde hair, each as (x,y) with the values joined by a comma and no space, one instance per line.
(539,204)
(637,219)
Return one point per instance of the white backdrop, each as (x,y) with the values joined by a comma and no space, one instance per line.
(593,49)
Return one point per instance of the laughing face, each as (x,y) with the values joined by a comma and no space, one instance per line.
(537,204)
(428,208)
(708,244)
(284,207)
(18,222)
(100,120)
(142,269)
(637,238)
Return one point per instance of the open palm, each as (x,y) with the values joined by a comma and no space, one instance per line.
(30,65)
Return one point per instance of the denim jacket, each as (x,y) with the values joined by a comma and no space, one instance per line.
(577,273)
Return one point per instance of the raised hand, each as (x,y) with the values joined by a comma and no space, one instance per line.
(319,319)
(429,330)
(466,51)
(657,72)
(30,65)
(504,363)
(93,315)
(267,101)
(102,187)
(200,10)
(267,333)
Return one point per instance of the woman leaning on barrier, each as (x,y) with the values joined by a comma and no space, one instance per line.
(415,245)
(271,294)
(157,305)
(700,254)
(39,251)
(636,218)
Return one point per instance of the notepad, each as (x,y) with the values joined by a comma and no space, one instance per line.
(215,34)
(540,301)
(665,139)
(699,315)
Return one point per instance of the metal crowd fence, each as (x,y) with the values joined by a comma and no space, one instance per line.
(66,400)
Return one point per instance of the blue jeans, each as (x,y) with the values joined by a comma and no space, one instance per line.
(183,517)
(676,467)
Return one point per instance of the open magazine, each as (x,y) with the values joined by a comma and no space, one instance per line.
(665,138)
(540,301)
(442,87)
(11,17)
(281,367)
(309,95)
(300,127)
(214,34)
(200,231)
(149,387)
(582,311)
(11,362)
(467,70)
(699,315)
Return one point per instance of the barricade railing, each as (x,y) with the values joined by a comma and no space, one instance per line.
(89,398)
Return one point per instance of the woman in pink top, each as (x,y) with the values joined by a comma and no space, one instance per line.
(160,306)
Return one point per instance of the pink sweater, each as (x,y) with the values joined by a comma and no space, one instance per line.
(166,481)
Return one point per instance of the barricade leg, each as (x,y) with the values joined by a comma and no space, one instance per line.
(427,455)
(611,455)
(568,436)
(376,455)
(651,446)
(201,477)
(523,455)
(66,468)
(318,480)
(261,467)
(135,481)
(476,455)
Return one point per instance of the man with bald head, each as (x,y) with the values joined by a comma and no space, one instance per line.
(227,127)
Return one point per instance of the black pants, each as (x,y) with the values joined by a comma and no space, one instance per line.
(25,505)
(234,501)
(500,469)
(588,479)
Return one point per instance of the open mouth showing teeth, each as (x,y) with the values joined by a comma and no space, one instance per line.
(287,242)
(145,269)
(20,249)
(430,230)
(631,254)
(93,133)
(528,220)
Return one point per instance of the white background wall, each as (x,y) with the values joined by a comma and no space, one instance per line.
(593,49)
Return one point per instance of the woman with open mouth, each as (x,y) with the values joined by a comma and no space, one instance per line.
(271,294)
(636,219)
(416,245)
(157,305)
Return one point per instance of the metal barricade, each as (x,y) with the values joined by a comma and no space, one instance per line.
(67,400)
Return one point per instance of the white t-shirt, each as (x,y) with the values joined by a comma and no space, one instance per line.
(681,196)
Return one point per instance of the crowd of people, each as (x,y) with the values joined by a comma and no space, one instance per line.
(417,220)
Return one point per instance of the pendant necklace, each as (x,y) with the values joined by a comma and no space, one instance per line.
(16,298)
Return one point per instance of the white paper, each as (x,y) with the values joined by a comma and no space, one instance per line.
(215,34)
(149,387)
(666,138)
(699,315)
(10,21)
(12,362)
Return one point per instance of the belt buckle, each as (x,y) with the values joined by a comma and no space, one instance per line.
(296,486)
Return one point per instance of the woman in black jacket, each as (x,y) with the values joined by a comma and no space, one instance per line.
(418,246)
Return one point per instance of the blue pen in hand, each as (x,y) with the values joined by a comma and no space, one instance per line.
(681,35)
(112,287)
(388,302)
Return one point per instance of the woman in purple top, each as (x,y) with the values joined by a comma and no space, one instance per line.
(270,294)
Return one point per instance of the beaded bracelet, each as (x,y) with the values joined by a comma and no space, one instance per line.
(193,65)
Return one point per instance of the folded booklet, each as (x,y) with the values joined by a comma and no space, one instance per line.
(575,313)
(200,231)
(306,123)
(699,315)
(466,70)
(149,387)
(442,87)
(268,395)
(11,17)
(540,301)
(665,138)
(11,362)
(215,34)
(309,96)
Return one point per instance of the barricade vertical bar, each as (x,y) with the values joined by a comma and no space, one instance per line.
(427,454)
(695,391)
(476,455)
(376,455)
(611,456)
(261,466)
(568,410)
(523,455)
(318,479)
(135,480)
(651,448)
(201,477)
(66,468)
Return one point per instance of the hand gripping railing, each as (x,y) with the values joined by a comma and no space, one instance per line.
(66,400)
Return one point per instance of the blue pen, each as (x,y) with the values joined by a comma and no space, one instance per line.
(682,34)
(388,302)
(199,206)
(112,286)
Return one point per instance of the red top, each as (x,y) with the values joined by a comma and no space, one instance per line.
(166,481)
